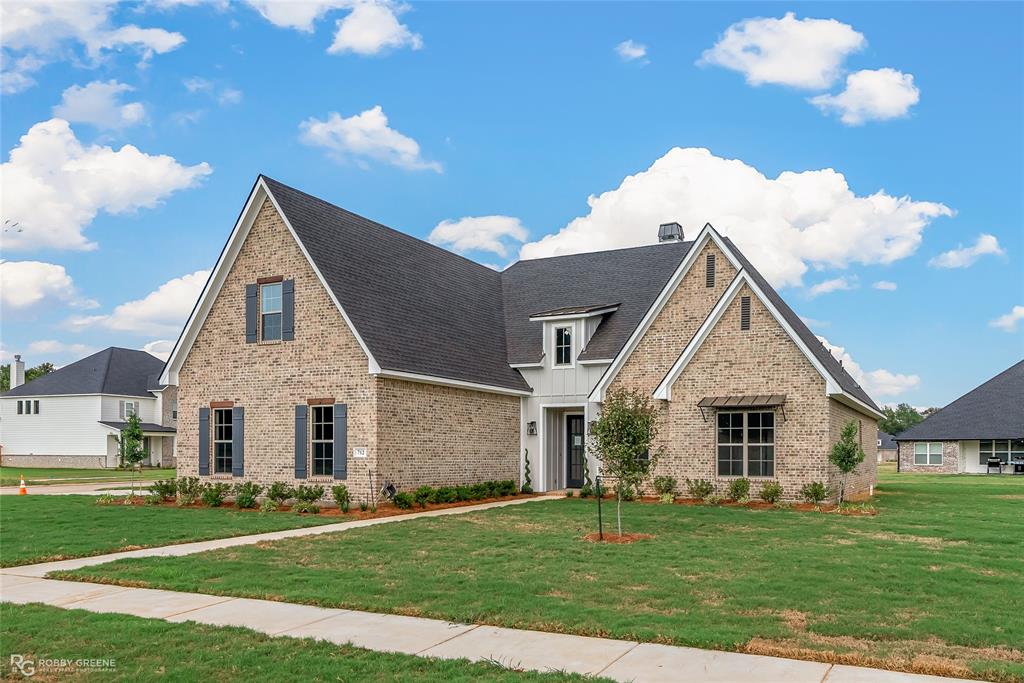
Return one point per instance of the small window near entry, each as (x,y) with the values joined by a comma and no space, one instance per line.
(709,276)
(174,410)
(20,408)
(745,313)
(270,311)
(563,346)
(323,440)
(35,407)
(222,440)
(929,453)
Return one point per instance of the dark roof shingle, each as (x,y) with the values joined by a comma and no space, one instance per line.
(124,372)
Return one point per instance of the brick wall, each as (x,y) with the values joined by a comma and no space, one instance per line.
(950,458)
(169,396)
(863,478)
(441,436)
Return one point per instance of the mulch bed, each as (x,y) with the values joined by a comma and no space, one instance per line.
(616,538)
(761,505)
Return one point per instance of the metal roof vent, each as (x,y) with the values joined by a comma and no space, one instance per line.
(670,232)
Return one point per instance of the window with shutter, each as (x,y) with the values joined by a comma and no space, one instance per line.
(745,313)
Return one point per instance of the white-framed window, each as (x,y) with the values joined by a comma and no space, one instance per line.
(35,407)
(563,346)
(746,443)
(1004,450)
(222,440)
(928,453)
(270,311)
(28,407)
(174,409)
(323,440)
(127,409)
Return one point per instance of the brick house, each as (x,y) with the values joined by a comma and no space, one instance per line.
(980,432)
(326,347)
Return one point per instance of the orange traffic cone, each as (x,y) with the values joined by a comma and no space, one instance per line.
(22,491)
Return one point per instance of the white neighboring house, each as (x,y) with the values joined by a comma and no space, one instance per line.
(72,416)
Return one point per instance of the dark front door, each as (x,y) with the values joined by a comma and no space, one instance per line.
(575,451)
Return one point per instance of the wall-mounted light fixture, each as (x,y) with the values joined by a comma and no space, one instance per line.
(531,428)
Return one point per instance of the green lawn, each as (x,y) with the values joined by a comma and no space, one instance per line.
(934,583)
(42,476)
(153,650)
(42,528)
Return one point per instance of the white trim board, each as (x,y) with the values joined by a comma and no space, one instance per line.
(445,382)
(707,233)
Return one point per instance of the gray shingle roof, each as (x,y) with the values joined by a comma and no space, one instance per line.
(888,442)
(994,410)
(125,372)
(145,426)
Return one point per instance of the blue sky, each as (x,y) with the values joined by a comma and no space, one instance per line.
(512,116)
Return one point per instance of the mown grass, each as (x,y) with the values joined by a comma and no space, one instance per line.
(933,583)
(153,650)
(44,476)
(43,528)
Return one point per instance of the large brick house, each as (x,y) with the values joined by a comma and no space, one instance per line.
(326,347)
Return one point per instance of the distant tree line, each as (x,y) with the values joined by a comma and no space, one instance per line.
(30,374)
(902,417)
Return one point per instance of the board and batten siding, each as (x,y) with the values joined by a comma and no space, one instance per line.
(65,426)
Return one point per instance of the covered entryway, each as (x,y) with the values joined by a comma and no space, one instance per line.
(563,440)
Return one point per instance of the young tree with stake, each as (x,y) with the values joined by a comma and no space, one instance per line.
(130,444)
(846,455)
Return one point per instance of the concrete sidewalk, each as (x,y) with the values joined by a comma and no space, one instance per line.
(120,488)
(541,651)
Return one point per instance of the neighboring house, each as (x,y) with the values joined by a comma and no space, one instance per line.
(886,447)
(326,347)
(72,416)
(985,424)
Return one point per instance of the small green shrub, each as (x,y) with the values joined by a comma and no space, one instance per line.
(341,496)
(462,493)
(246,494)
(269,505)
(165,488)
(155,499)
(306,506)
(739,489)
(189,489)
(279,492)
(403,500)
(363,506)
(699,488)
(625,491)
(771,492)
(214,494)
(665,486)
(105,499)
(478,491)
(309,494)
(527,482)
(568,493)
(507,487)
(712,499)
(814,492)
(423,494)
(444,494)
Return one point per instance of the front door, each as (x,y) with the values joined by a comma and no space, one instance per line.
(575,451)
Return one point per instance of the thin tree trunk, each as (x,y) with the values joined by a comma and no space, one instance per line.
(618,508)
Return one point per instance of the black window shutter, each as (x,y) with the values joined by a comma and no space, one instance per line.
(300,441)
(288,310)
(709,278)
(237,442)
(251,293)
(340,441)
(745,313)
(204,441)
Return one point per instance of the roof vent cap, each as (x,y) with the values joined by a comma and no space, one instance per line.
(670,232)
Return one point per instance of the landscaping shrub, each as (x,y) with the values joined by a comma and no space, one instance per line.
(527,483)
(268,505)
(699,488)
(309,494)
(624,491)
(189,489)
(105,499)
(423,494)
(403,500)
(165,488)
(771,492)
(341,496)
(665,487)
(507,487)
(587,489)
(279,492)
(307,506)
(814,492)
(568,493)
(444,494)
(739,489)
(214,494)
(462,493)
(246,494)
(154,499)
(363,506)
(478,491)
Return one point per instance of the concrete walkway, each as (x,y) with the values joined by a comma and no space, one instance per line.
(541,651)
(120,488)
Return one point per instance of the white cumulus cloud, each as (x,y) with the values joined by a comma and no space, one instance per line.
(162,312)
(300,15)
(885,285)
(878,382)
(478,233)
(99,104)
(161,348)
(49,347)
(630,50)
(54,186)
(783,224)
(371,28)
(838,284)
(802,53)
(24,284)
(365,136)
(962,256)
(872,95)
(1008,321)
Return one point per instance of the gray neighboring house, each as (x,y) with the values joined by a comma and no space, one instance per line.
(984,426)
(886,447)
(72,416)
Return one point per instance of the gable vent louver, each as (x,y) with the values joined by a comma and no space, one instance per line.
(709,278)
(745,313)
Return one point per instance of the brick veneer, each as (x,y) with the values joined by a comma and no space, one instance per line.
(950,458)
(863,478)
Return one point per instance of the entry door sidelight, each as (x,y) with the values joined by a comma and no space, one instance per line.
(575,450)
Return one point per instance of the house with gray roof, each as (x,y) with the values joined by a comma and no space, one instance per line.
(980,432)
(886,447)
(72,416)
(327,347)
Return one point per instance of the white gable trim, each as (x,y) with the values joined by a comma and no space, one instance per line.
(832,386)
(707,233)
(575,316)
(197,318)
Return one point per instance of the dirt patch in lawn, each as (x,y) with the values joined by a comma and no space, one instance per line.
(933,542)
(616,538)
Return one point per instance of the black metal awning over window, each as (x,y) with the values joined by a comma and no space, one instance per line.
(739,402)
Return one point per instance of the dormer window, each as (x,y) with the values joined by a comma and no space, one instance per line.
(563,346)
(270,312)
